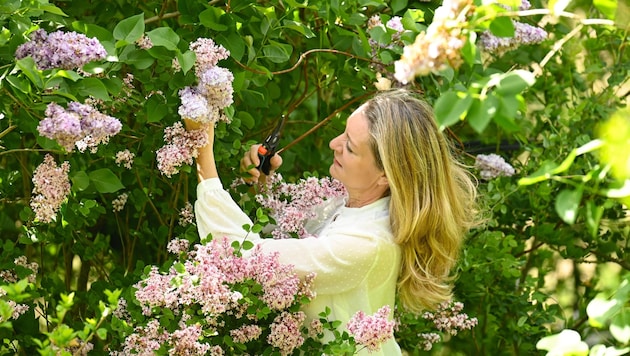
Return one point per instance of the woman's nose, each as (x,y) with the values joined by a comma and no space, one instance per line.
(334,143)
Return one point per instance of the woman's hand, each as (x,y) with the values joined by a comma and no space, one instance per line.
(251,159)
(206,167)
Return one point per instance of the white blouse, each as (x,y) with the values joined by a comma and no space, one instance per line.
(354,257)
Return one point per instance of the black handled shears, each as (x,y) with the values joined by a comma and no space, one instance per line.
(269,147)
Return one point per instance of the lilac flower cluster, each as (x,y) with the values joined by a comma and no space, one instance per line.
(125,158)
(207,280)
(449,319)
(118,204)
(492,166)
(394,23)
(371,331)
(81,125)
(51,186)
(10,276)
(186,215)
(65,50)
(181,148)
(205,102)
(291,203)
(524,34)
(439,46)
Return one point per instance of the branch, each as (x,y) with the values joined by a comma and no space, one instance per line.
(302,57)
(161,17)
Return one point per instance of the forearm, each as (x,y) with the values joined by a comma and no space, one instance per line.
(206,165)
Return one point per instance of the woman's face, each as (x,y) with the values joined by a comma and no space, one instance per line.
(354,164)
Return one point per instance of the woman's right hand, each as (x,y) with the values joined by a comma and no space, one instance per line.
(251,159)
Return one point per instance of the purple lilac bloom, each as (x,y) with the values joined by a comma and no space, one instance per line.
(372,331)
(216,85)
(194,105)
(80,125)
(51,187)
(524,34)
(65,50)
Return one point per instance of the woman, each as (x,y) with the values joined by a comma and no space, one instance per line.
(408,207)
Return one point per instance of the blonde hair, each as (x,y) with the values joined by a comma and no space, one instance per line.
(432,203)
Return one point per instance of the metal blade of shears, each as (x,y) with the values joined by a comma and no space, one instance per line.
(269,147)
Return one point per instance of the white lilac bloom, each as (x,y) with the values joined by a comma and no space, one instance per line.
(492,166)
(64,50)
(439,46)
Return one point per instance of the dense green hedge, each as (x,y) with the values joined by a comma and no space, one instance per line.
(556,236)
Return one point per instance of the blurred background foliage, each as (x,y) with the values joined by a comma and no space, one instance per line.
(556,236)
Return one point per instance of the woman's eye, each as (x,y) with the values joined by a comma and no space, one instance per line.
(348,148)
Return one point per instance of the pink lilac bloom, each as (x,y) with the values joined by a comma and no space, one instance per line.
(428,339)
(144,341)
(493,166)
(178,246)
(207,53)
(291,204)
(144,42)
(246,333)
(51,187)
(372,331)
(181,147)
(203,281)
(439,46)
(449,318)
(64,50)
(186,341)
(285,332)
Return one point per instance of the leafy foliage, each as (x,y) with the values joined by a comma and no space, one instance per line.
(544,108)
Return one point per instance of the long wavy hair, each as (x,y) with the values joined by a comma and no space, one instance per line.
(433,196)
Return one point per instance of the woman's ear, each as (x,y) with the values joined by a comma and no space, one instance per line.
(383,180)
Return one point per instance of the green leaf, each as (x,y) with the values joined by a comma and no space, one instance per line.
(247,245)
(105,181)
(620,326)
(165,37)
(129,30)
(80,181)
(593,216)
(210,18)
(481,112)
(156,108)
(502,27)
(567,204)
(398,5)
(186,60)
(52,9)
(298,27)
(93,87)
(515,82)
(277,52)
(19,83)
(450,107)
(27,66)
(606,7)
(543,173)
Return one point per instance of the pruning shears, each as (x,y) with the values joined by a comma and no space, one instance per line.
(269,147)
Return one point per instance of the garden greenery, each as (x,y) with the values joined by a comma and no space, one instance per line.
(96,181)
